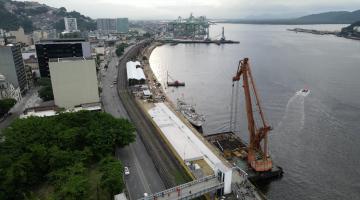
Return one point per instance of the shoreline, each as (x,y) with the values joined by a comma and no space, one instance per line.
(319,32)
(151,77)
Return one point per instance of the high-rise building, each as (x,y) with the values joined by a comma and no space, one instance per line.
(43,35)
(12,66)
(60,48)
(111,25)
(122,25)
(106,25)
(70,24)
(74,82)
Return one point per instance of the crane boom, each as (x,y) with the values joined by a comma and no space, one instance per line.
(258,158)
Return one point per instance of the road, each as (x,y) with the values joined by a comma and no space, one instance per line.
(170,169)
(189,190)
(143,175)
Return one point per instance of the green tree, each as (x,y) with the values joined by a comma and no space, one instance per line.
(112,177)
(46,93)
(120,49)
(6,105)
(60,150)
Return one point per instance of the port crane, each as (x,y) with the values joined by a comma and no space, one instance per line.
(258,156)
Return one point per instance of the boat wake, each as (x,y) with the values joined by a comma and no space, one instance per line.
(294,117)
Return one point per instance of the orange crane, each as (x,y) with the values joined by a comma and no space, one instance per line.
(258,156)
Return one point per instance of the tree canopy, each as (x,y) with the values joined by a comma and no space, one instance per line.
(6,105)
(59,151)
(120,49)
(46,91)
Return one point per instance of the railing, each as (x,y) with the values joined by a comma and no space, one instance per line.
(178,188)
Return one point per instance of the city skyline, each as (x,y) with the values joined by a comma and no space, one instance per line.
(220,9)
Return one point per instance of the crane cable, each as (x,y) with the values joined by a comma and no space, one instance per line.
(231,107)
(236,106)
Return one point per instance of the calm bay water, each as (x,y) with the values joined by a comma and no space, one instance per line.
(316,139)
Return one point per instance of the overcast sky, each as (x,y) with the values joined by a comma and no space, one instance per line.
(170,9)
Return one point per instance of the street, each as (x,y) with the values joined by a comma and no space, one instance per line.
(143,176)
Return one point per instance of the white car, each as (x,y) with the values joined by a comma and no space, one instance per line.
(126,171)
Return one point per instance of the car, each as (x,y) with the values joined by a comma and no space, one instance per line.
(111,86)
(146,194)
(126,171)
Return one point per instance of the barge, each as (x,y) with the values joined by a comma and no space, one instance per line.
(235,150)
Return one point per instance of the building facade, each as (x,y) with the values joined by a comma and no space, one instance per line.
(122,25)
(106,25)
(20,36)
(43,35)
(70,24)
(7,90)
(60,48)
(12,66)
(113,25)
(74,82)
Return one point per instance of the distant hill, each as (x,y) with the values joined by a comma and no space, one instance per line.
(339,17)
(336,17)
(33,15)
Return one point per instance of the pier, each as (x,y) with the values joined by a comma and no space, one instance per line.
(312,31)
(179,41)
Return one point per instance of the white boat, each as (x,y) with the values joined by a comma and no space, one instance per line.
(190,114)
(303,92)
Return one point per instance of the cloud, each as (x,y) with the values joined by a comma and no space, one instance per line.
(170,9)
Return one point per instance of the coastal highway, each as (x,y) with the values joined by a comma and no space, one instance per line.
(143,175)
(168,167)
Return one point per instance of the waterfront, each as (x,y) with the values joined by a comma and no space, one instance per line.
(315,138)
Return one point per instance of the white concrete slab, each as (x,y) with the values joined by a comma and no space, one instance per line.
(188,145)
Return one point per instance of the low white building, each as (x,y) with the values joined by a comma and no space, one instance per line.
(188,146)
(74,81)
(135,74)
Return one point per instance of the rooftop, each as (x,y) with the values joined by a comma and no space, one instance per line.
(68,59)
(186,143)
(63,40)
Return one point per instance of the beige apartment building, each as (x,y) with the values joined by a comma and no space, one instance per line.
(74,81)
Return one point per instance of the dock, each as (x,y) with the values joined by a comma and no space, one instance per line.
(179,41)
(312,31)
